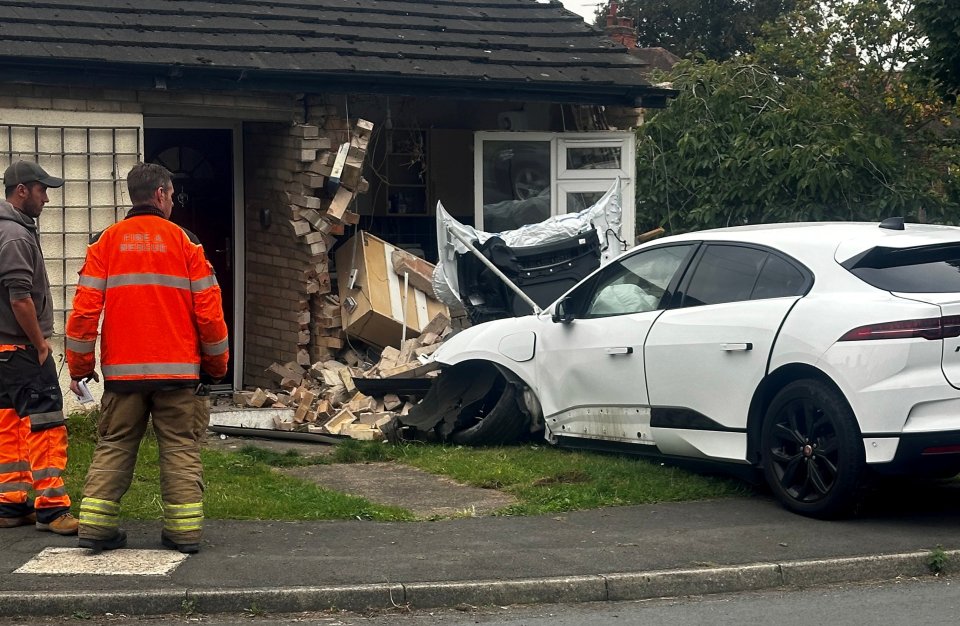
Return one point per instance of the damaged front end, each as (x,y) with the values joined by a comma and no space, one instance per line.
(471,403)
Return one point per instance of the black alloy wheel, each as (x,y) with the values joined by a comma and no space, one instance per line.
(813,456)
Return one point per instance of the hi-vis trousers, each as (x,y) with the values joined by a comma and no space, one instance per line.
(180,420)
(32,460)
(31,457)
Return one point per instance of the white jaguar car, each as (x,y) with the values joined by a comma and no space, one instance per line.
(821,353)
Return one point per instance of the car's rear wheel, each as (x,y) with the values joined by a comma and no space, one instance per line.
(813,456)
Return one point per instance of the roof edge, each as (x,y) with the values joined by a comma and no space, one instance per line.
(179,78)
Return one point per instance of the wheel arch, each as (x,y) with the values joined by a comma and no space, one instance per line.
(509,410)
(519,377)
(514,375)
(768,388)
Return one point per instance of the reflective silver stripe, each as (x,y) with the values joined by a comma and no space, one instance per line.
(213,349)
(96,505)
(19,466)
(183,525)
(183,517)
(49,472)
(204,283)
(51,417)
(80,347)
(92,519)
(135,369)
(8,487)
(163,280)
(193,509)
(94,283)
(53,492)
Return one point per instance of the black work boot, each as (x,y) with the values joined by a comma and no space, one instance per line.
(96,546)
(185,548)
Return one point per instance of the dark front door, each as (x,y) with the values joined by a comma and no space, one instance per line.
(201,161)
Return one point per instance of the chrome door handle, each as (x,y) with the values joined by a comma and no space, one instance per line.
(623,350)
(736,347)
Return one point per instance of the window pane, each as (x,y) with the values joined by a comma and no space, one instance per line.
(724,274)
(778,279)
(515,170)
(928,269)
(597,158)
(579,200)
(516,184)
(638,283)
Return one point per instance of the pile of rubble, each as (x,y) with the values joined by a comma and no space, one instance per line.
(325,397)
(369,293)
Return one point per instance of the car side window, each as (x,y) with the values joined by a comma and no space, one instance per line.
(724,274)
(778,279)
(637,283)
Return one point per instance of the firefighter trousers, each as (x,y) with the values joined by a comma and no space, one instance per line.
(180,419)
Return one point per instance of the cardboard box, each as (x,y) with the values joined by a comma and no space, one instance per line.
(372,309)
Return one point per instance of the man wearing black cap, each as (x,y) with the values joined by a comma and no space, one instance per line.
(33,435)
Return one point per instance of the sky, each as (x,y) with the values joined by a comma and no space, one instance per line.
(585,8)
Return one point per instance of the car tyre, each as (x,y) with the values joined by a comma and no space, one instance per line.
(496,419)
(813,456)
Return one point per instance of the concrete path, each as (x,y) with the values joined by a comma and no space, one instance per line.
(426,495)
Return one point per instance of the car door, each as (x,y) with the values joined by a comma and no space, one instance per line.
(590,368)
(705,358)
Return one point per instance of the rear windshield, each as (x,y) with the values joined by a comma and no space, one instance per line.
(930,269)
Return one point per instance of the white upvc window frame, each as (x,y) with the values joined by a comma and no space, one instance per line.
(563,180)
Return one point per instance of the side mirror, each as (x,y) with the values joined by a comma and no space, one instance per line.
(561,313)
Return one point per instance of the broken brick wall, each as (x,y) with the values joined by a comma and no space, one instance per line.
(293,217)
(275,258)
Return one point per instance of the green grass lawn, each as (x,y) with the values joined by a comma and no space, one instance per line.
(546,479)
(244,485)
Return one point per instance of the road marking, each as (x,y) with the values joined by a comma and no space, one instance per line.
(109,563)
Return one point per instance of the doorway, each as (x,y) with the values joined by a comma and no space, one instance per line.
(202,163)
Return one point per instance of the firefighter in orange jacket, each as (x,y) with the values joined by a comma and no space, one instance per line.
(162,324)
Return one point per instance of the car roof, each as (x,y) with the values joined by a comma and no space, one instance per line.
(809,241)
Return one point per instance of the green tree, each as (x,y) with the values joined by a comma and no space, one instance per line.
(940,22)
(824,121)
(717,29)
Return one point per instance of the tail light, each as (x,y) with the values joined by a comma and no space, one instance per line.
(930,328)
(941,450)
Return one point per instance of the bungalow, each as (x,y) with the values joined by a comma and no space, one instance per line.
(478,103)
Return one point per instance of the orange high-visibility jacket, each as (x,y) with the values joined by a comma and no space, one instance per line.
(163,316)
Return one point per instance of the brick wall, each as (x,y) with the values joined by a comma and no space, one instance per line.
(159,102)
(275,258)
(289,315)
